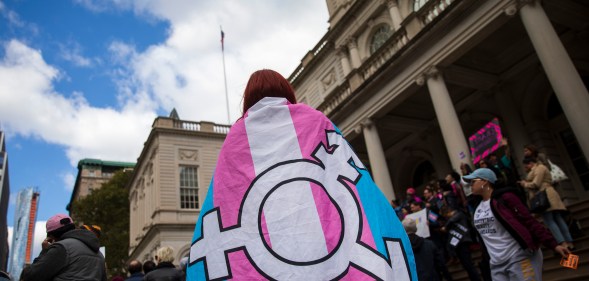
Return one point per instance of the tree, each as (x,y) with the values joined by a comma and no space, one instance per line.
(108,207)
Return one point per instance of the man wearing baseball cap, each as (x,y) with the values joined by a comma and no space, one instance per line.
(68,254)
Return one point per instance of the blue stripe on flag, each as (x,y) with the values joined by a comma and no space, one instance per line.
(197,271)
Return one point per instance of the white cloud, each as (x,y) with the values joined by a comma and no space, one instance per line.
(72,52)
(38,111)
(184,72)
(68,180)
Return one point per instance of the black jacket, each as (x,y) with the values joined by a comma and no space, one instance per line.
(428,258)
(165,271)
(74,257)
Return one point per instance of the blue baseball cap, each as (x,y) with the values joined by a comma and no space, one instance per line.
(482,173)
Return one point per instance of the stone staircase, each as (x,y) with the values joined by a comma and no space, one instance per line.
(552,268)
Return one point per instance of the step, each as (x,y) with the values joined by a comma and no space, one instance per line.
(554,271)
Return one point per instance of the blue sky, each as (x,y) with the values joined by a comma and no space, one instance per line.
(86,78)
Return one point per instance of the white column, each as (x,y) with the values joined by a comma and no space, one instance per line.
(395,13)
(355,56)
(514,125)
(378,162)
(448,120)
(559,68)
(343,56)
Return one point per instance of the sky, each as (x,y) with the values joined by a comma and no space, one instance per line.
(86,78)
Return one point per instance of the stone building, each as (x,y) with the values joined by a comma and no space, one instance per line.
(408,81)
(92,173)
(170,183)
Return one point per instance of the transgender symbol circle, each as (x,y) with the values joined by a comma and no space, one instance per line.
(248,235)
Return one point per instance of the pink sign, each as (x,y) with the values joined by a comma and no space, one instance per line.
(485,141)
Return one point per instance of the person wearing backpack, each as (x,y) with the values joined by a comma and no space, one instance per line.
(510,234)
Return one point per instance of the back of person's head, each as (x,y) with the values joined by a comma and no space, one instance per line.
(165,254)
(529,160)
(148,266)
(455,176)
(266,83)
(410,226)
(134,266)
(93,228)
(58,225)
(533,149)
(445,186)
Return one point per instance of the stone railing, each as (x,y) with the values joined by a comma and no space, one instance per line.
(308,58)
(384,54)
(202,126)
(432,9)
(332,101)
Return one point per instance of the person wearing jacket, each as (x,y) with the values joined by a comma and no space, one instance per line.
(539,179)
(134,269)
(165,269)
(459,239)
(428,258)
(510,234)
(68,254)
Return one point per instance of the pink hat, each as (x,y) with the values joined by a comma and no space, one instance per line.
(410,190)
(57,221)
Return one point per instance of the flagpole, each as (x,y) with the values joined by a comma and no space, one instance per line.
(225,74)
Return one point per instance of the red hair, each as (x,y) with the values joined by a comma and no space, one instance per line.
(266,83)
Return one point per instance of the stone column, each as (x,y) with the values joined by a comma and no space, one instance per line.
(447,118)
(378,162)
(395,13)
(559,68)
(354,55)
(343,56)
(514,126)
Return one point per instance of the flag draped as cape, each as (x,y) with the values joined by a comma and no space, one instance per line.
(290,200)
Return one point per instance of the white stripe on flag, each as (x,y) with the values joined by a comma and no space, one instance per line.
(290,212)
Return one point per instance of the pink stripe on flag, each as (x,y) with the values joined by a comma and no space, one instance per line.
(265,231)
(308,140)
(241,268)
(328,216)
(228,182)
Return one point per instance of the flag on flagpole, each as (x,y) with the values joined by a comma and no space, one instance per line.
(290,200)
(222,40)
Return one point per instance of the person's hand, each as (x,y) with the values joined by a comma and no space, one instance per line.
(562,250)
(46,243)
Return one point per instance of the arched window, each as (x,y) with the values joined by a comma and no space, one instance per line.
(380,36)
(417,4)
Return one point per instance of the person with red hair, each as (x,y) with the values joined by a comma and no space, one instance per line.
(266,83)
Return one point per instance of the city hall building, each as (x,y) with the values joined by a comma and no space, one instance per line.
(410,82)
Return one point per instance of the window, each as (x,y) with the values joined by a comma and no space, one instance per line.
(188,187)
(381,35)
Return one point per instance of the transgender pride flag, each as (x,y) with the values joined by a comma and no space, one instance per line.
(291,201)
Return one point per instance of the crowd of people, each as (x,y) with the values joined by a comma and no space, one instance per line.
(487,209)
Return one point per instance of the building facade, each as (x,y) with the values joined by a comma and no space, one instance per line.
(408,81)
(92,173)
(170,183)
(4,200)
(25,218)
